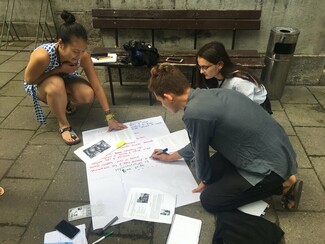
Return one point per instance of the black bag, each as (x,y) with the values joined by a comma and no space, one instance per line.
(237,227)
(141,53)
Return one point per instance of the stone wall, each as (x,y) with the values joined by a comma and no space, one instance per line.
(307,16)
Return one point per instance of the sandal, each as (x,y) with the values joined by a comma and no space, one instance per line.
(2,191)
(73,136)
(292,196)
(70,109)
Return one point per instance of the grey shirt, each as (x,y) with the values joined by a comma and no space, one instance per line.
(240,130)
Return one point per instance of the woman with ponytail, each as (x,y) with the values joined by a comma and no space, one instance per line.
(219,72)
(52,76)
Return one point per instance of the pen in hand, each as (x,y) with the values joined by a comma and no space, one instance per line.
(162,151)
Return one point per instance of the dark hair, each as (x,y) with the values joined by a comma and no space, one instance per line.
(167,78)
(215,52)
(70,28)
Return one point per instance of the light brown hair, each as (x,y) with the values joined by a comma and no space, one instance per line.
(167,79)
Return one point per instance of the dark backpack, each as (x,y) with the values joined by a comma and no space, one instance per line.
(140,53)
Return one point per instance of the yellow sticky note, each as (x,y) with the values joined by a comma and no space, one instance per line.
(121,143)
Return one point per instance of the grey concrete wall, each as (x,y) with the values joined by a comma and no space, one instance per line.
(307,16)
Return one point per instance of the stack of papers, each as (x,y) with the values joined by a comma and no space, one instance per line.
(110,58)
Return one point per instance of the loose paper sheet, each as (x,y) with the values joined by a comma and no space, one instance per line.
(173,141)
(254,208)
(111,177)
(184,230)
(150,205)
(55,237)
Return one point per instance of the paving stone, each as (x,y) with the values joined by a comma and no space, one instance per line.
(283,120)
(305,114)
(4,166)
(160,232)
(303,227)
(24,195)
(7,104)
(297,94)
(11,234)
(21,56)
(313,140)
(48,215)
(38,161)
(7,53)
(27,102)
(3,58)
(319,93)
(12,66)
(312,197)
(70,177)
(21,118)
(319,166)
(13,89)
(5,77)
(123,240)
(276,105)
(302,159)
(13,144)
(137,228)
(145,111)
(20,76)
(95,119)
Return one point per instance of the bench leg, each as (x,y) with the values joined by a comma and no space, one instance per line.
(195,77)
(111,84)
(120,76)
(150,98)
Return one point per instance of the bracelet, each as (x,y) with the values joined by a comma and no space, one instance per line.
(107,112)
(108,117)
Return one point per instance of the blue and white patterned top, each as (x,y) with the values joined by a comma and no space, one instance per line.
(54,63)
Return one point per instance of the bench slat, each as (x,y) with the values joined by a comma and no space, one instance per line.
(178,53)
(177,14)
(171,24)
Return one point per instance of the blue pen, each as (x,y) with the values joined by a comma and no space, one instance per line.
(162,151)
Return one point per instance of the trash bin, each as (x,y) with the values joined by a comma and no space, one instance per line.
(278,59)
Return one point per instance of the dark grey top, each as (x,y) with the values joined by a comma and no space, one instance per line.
(239,129)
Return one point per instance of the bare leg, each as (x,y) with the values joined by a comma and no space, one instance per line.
(79,91)
(52,91)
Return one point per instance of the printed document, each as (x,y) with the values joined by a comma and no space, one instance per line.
(150,205)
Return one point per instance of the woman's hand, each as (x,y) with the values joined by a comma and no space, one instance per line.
(199,188)
(115,125)
(68,67)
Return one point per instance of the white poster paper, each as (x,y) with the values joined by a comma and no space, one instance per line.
(111,177)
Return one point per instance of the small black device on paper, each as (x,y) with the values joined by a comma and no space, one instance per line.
(67,229)
(174,60)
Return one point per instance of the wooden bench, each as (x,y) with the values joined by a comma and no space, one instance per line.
(192,20)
